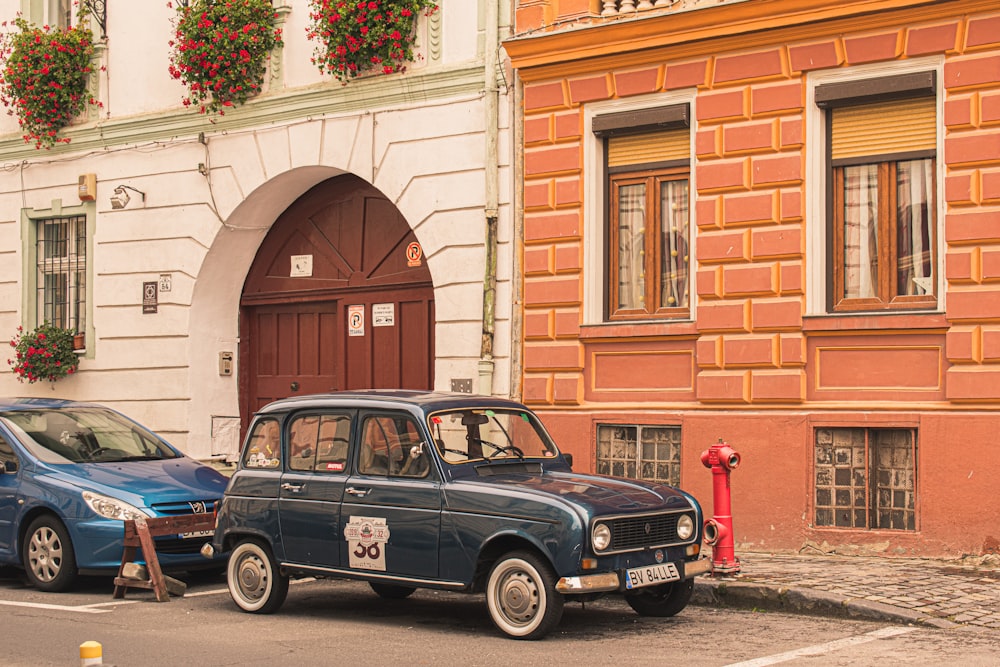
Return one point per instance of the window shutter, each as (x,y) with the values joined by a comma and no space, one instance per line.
(899,126)
(648,148)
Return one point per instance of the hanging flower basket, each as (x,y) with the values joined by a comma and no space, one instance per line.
(44,78)
(370,37)
(44,353)
(220,50)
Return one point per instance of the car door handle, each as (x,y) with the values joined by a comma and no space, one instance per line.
(360,493)
(286,486)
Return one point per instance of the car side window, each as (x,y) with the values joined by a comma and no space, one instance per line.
(6,452)
(303,435)
(391,445)
(263,449)
(319,443)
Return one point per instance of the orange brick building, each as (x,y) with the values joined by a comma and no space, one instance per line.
(776,223)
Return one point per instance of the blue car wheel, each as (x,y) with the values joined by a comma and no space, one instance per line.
(47,555)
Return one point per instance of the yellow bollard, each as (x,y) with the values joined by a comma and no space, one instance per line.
(90,654)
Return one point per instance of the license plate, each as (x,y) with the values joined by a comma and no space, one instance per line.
(651,575)
(197,533)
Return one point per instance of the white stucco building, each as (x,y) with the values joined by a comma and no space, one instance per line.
(209,197)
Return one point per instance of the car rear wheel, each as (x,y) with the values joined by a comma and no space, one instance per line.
(391,592)
(665,600)
(255,582)
(522,597)
(48,556)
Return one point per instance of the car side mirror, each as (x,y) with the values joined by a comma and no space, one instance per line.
(9,466)
(569,458)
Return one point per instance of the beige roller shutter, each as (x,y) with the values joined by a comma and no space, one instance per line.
(650,147)
(899,126)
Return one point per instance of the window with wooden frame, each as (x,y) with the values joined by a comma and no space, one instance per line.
(882,179)
(648,261)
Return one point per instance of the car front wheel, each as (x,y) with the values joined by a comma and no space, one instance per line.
(48,557)
(255,582)
(665,600)
(522,597)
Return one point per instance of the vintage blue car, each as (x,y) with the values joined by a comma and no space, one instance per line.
(72,473)
(408,490)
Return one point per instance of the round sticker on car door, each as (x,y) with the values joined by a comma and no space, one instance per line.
(366,540)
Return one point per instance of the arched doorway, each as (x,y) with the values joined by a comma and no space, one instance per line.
(338,297)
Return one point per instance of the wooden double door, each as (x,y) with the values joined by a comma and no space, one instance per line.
(338,297)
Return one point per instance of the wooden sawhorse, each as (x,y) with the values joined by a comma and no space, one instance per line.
(139,534)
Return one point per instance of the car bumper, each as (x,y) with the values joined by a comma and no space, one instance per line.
(606,582)
(98,545)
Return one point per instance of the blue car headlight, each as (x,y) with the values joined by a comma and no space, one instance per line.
(112,508)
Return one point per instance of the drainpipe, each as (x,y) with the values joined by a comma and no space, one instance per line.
(492,168)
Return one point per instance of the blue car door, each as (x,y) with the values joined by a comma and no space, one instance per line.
(391,514)
(9,482)
(312,487)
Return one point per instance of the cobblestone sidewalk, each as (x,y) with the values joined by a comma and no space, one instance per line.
(940,593)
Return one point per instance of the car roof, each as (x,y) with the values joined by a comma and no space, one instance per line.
(424,401)
(8,404)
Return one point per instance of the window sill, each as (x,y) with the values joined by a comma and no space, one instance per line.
(613,330)
(874,322)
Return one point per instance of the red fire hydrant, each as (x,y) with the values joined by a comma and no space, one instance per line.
(722,459)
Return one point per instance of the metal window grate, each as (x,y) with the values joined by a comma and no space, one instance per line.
(640,452)
(866,478)
(61,264)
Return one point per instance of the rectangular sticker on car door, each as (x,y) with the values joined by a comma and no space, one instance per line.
(366,540)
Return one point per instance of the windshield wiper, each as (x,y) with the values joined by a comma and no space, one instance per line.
(143,457)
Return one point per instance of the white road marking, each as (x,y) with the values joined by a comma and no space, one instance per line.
(79,609)
(820,649)
(219,591)
(96,608)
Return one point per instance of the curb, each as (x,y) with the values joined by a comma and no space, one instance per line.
(747,595)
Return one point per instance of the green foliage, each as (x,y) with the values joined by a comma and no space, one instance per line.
(361,37)
(45,353)
(220,50)
(44,78)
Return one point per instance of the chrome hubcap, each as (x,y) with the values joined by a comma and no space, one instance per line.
(45,554)
(252,577)
(518,596)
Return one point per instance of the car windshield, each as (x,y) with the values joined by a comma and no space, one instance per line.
(492,434)
(84,435)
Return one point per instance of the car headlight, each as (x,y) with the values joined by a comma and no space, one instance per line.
(112,508)
(685,527)
(600,537)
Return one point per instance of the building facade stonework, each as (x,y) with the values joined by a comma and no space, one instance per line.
(378,183)
(771,223)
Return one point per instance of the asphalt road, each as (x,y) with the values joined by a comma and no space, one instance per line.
(344,623)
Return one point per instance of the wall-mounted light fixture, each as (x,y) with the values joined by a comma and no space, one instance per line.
(120,198)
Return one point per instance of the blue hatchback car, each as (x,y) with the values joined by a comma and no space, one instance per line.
(71,473)
(408,490)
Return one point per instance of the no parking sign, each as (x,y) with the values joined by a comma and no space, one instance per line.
(355,320)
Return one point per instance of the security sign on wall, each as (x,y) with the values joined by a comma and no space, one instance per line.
(150,297)
(355,320)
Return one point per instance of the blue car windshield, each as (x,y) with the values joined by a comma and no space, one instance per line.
(491,434)
(84,435)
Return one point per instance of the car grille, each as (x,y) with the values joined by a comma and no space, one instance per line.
(187,507)
(173,545)
(169,544)
(641,532)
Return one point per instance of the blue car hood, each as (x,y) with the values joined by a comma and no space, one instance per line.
(144,483)
(602,495)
